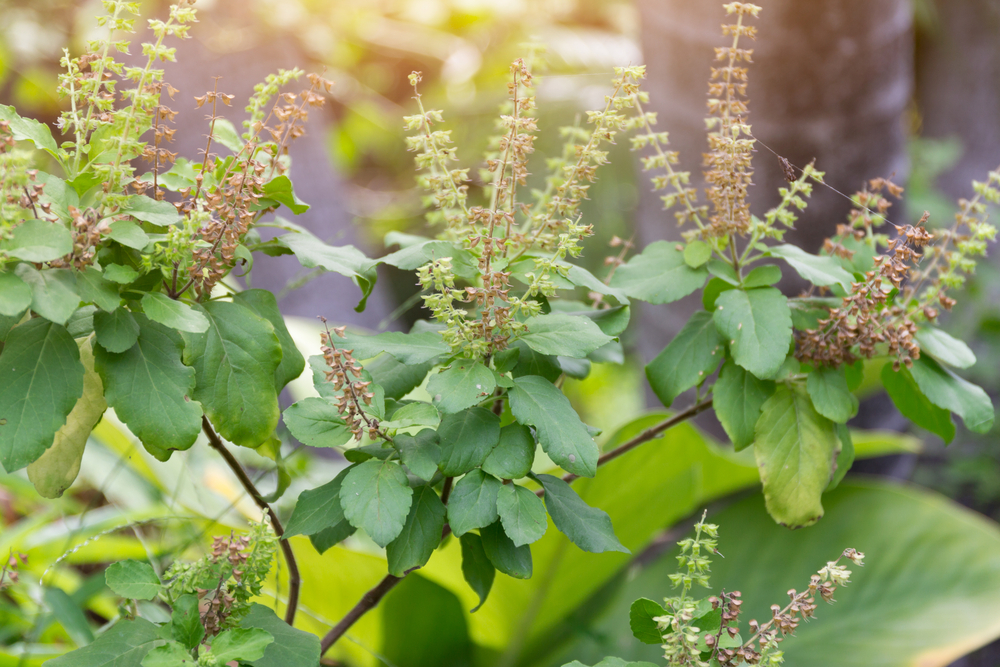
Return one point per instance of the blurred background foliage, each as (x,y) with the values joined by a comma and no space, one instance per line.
(932,585)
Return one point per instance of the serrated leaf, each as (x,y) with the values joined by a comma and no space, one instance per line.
(473,502)
(688,360)
(845,459)
(795,449)
(587,527)
(563,335)
(29,129)
(420,453)
(820,270)
(38,241)
(244,644)
(42,381)
(147,209)
(395,377)
(420,535)
(280,190)
(345,260)
(316,422)
(408,348)
(53,292)
(412,257)
(946,390)
(185,621)
(328,537)
(737,399)
(461,385)
(133,579)
(318,509)
(477,570)
(530,362)
(116,331)
(121,274)
(757,325)
(640,618)
(129,234)
(15,295)
(411,415)
(913,405)
(945,348)
(264,304)
(171,654)
(581,277)
(96,289)
(762,276)
(659,274)
(697,253)
(376,497)
(536,402)
(175,314)
(466,439)
(521,513)
(234,362)
(513,456)
(830,396)
(125,644)
(512,560)
(291,646)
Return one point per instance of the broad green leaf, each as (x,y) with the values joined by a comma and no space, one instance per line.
(124,644)
(513,456)
(659,274)
(81,323)
(536,402)
(945,348)
(913,405)
(244,644)
(477,569)
(688,360)
(587,527)
(224,132)
(53,292)
(280,190)
(116,331)
(473,502)
(171,654)
(395,377)
(421,533)
(820,270)
(185,621)
(133,579)
(95,288)
(29,129)
(412,257)
(345,260)
(737,398)
(845,459)
(410,415)
(234,363)
(713,289)
(461,385)
(15,295)
(408,348)
(612,321)
(38,241)
(265,305)
(612,661)
(581,277)
(42,381)
(329,537)
(55,470)
(521,513)
(697,253)
(129,234)
(175,314)
(119,273)
(147,209)
(60,194)
(757,325)
(795,449)
(291,647)
(438,635)
(762,276)
(640,620)
(565,335)
(514,561)
(68,613)
(317,422)
(375,496)
(318,509)
(946,390)
(420,453)
(150,389)
(7,323)
(466,439)
(530,362)
(830,396)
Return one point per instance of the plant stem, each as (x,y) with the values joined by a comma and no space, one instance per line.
(375,595)
(294,580)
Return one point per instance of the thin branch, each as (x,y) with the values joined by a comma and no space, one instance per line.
(294,580)
(368,600)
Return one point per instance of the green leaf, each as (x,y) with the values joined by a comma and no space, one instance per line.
(291,646)
(67,611)
(171,654)
(185,621)
(563,335)
(581,277)
(587,527)
(514,561)
(411,348)
(477,569)
(38,241)
(280,190)
(244,644)
(81,323)
(757,324)
(29,129)
(346,260)
(318,509)
(437,635)
(225,133)
(94,288)
(946,390)
(412,257)
(530,362)
(762,276)
(737,398)
(830,396)
(375,496)
(116,331)
(150,388)
(461,385)
(15,295)
(133,579)
(328,537)
(317,422)
(795,450)
(234,363)
(53,292)
(420,453)
(42,381)
(521,513)
(159,213)
(945,348)
(845,459)
(395,377)
(466,439)
(412,414)
(421,533)
(125,644)
(473,502)
(119,273)
(175,314)
(913,405)
(129,234)
(659,274)
(265,305)
(55,470)
(820,270)
(513,456)
(536,402)
(611,321)
(697,253)
(640,619)
(688,360)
